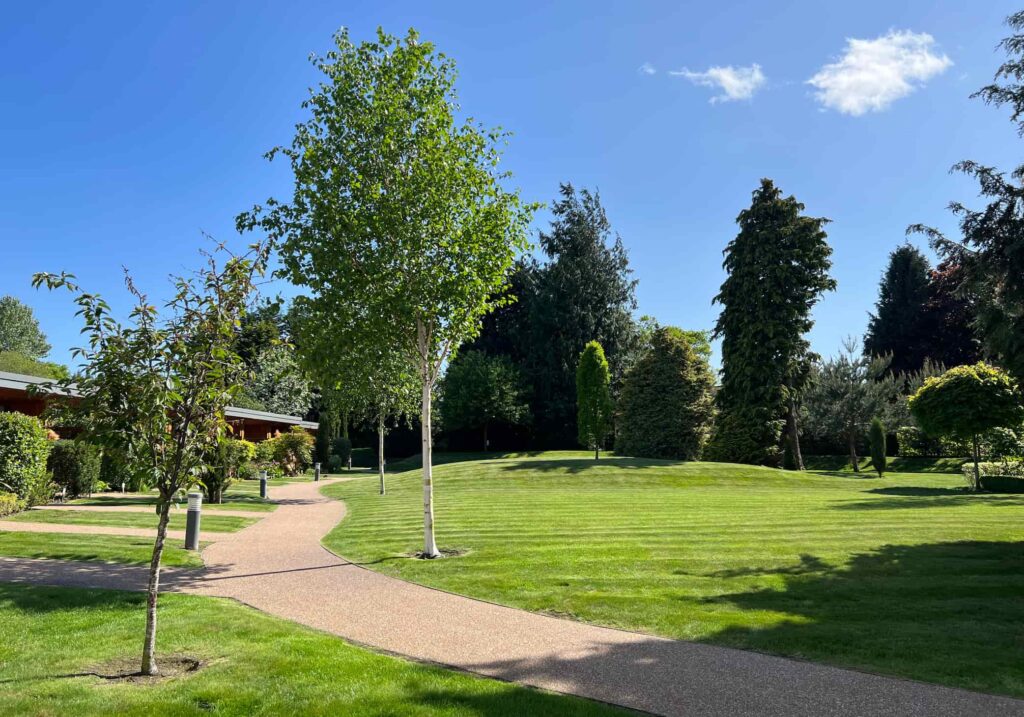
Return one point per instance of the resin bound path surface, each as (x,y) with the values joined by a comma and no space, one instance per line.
(278,565)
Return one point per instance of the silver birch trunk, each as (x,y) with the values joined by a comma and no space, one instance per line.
(149,666)
(380,452)
(429,544)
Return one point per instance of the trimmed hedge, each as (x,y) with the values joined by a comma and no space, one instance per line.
(75,466)
(23,451)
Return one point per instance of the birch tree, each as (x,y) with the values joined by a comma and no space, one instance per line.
(399,216)
(154,391)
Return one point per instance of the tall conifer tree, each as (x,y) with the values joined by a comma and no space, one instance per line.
(901,324)
(777,271)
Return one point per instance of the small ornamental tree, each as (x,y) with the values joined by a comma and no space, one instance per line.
(154,391)
(401,230)
(876,436)
(593,398)
(666,406)
(481,390)
(965,402)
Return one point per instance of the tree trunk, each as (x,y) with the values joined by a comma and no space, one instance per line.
(429,544)
(975,454)
(344,434)
(149,666)
(485,437)
(853,453)
(794,435)
(597,452)
(380,452)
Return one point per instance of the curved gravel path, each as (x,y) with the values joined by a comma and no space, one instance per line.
(278,565)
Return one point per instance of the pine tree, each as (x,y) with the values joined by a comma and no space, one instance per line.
(876,437)
(777,270)
(902,323)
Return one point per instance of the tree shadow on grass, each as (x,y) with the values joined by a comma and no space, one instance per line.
(937,500)
(945,612)
(580,465)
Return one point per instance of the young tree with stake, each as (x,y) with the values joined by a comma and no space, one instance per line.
(398,216)
(154,391)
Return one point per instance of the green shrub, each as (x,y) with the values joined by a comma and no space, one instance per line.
(745,436)
(15,362)
(225,466)
(335,464)
(265,451)
(23,451)
(293,451)
(342,447)
(665,408)
(1004,467)
(876,436)
(915,443)
(75,466)
(364,457)
(10,504)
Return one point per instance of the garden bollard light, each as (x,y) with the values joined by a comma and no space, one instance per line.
(263,484)
(195,508)
(316,472)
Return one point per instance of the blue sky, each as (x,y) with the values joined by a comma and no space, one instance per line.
(129,130)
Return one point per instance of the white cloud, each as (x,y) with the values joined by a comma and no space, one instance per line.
(872,74)
(736,83)
(646,69)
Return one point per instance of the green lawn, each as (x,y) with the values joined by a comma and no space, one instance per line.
(906,575)
(210,523)
(105,548)
(254,664)
(240,498)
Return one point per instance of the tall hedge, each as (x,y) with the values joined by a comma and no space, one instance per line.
(75,466)
(666,405)
(23,451)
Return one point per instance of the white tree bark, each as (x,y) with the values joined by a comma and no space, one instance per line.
(380,451)
(429,544)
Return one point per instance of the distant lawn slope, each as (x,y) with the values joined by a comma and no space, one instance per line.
(253,664)
(907,575)
(895,464)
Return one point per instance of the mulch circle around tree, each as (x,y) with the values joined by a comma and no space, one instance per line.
(126,669)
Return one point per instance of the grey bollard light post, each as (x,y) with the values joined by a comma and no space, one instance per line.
(195,509)
(316,472)
(263,484)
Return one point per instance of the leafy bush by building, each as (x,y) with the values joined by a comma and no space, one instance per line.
(23,451)
(293,451)
(665,409)
(75,467)
(228,465)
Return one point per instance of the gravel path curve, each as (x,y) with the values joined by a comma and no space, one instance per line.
(278,565)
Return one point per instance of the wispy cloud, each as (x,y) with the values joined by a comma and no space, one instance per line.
(646,69)
(872,74)
(735,83)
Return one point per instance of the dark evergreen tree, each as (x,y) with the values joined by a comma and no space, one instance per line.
(991,251)
(953,340)
(585,291)
(777,270)
(666,406)
(901,325)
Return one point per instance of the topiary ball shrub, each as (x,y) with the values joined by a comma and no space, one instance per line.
(23,451)
(335,464)
(75,466)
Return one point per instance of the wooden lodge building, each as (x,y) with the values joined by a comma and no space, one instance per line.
(248,424)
